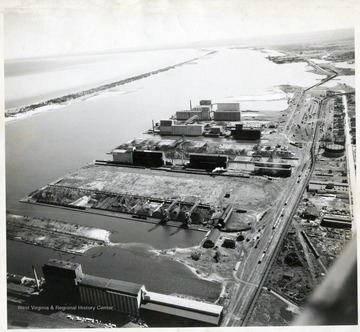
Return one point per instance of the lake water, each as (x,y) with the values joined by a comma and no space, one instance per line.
(33,80)
(42,148)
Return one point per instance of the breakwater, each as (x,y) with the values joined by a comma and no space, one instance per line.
(88,92)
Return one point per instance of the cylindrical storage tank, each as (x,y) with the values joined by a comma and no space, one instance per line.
(334,150)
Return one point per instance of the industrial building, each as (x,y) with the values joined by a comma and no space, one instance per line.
(123,156)
(336,221)
(327,187)
(272,164)
(227,112)
(168,127)
(214,131)
(273,171)
(207,162)
(135,157)
(202,113)
(122,296)
(204,312)
(310,213)
(229,243)
(211,238)
(205,102)
(239,132)
(148,158)
(187,129)
(61,277)
(225,216)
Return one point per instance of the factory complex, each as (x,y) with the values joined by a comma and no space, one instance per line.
(65,280)
(210,120)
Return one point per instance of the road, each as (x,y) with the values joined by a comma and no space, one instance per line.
(257,256)
(350,161)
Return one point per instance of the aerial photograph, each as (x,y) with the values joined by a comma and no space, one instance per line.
(179,164)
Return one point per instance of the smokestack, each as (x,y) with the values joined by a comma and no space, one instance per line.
(36,278)
(190,105)
(153,125)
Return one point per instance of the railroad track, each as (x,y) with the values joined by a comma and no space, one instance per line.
(293,211)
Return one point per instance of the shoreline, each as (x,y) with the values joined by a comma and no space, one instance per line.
(26,111)
(71,238)
(101,91)
(165,253)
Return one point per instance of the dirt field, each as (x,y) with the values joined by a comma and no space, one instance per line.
(270,311)
(252,193)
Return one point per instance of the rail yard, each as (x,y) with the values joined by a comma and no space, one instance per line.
(271,194)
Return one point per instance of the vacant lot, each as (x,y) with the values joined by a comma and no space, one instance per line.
(251,193)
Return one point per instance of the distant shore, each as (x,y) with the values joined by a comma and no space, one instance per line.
(50,104)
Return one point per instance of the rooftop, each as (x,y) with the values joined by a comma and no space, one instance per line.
(189,305)
(62,264)
(110,284)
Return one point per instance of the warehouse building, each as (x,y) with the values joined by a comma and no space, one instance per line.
(166,127)
(229,107)
(207,162)
(148,158)
(212,238)
(145,158)
(204,312)
(225,216)
(310,213)
(227,112)
(245,133)
(202,112)
(122,296)
(123,156)
(336,221)
(205,102)
(327,187)
(185,115)
(187,129)
(227,116)
(273,171)
(272,164)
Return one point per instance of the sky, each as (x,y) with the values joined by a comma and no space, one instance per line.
(34,28)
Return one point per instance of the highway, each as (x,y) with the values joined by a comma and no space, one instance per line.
(254,266)
(350,160)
